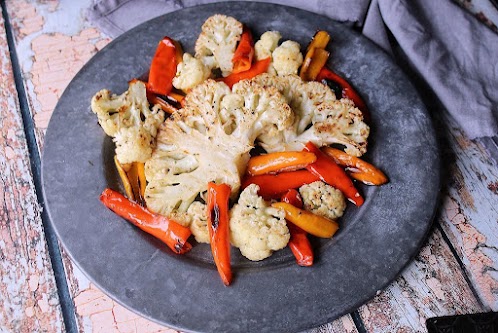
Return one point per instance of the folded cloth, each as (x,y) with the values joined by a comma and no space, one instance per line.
(454,53)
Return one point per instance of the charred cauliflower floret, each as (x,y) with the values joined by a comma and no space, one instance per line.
(190,72)
(217,42)
(266,44)
(287,58)
(339,122)
(209,140)
(323,199)
(256,228)
(198,221)
(129,120)
(319,117)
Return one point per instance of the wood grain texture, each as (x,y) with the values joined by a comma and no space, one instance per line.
(470,211)
(29,300)
(345,324)
(432,285)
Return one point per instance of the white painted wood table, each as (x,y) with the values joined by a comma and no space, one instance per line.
(42,46)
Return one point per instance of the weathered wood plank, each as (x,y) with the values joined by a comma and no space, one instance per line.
(432,285)
(53,44)
(50,55)
(345,324)
(29,300)
(470,211)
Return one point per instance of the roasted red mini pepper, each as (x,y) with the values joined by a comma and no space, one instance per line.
(218,225)
(257,68)
(242,58)
(163,66)
(347,90)
(299,242)
(327,170)
(167,230)
(273,186)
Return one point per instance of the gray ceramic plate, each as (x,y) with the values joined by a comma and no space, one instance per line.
(375,241)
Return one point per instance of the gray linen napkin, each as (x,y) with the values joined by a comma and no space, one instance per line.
(454,54)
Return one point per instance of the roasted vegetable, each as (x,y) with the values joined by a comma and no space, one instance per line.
(244,53)
(314,224)
(327,170)
(298,242)
(357,168)
(163,67)
(279,162)
(273,186)
(218,226)
(167,230)
(256,228)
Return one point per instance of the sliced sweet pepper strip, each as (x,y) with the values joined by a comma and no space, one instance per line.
(154,99)
(273,186)
(124,178)
(163,66)
(136,176)
(347,90)
(279,162)
(242,58)
(318,42)
(358,169)
(260,66)
(173,234)
(318,60)
(314,224)
(218,224)
(327,170)
(299,242)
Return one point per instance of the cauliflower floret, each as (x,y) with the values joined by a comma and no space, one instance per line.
(129,120)
(190,72)
(323,199)
(266,44)
(338,122)
(198,221)
(217,42)
(256,228)
(209,140)
(319,117)
(287,58)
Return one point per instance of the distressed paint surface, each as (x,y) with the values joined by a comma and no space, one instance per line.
(53,44)
(431,286)
(470,212)
(345,324)
(29,300)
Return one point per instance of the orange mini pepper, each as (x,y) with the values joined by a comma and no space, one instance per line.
(358,169)
(279,162)
(314,224)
